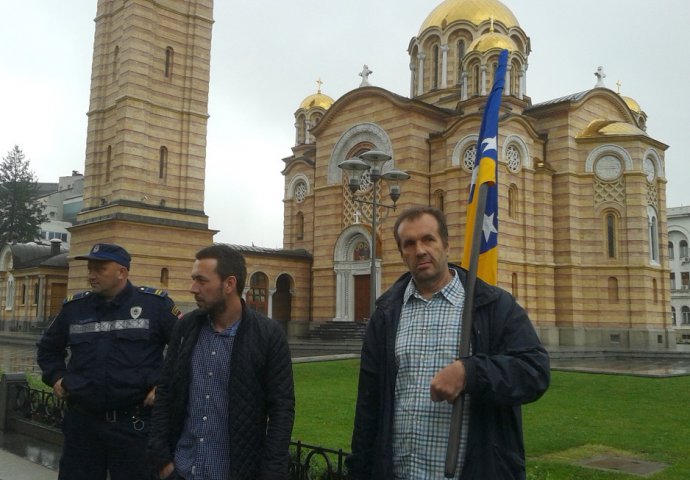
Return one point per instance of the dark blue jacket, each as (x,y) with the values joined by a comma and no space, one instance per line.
(509,367)
(116,348)
(261,397)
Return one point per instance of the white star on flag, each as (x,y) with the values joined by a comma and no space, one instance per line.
(488,227)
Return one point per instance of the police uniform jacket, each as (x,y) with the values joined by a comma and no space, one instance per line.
(115,348)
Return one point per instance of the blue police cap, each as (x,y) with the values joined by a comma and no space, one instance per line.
(107,252)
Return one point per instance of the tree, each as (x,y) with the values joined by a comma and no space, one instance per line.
(21,214)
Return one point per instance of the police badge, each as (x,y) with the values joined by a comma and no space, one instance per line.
(135,312)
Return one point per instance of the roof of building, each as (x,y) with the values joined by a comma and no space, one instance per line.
(30,255)
(280,252)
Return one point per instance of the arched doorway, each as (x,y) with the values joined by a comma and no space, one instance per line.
(352,265)
(282,299)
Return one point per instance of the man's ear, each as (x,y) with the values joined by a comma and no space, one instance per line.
(230,284)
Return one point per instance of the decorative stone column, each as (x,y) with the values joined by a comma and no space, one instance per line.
(420,73)
(444,65)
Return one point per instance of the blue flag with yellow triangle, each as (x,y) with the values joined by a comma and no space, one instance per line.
(486,171)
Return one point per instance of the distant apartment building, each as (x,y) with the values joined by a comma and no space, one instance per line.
(61,206)
(679,264)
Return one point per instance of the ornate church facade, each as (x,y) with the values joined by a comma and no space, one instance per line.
(582,242)
(582,219)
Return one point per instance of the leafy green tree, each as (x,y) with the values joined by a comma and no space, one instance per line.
(21,214)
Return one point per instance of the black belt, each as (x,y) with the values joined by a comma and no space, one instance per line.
(134,412)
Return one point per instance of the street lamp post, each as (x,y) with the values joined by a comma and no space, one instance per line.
(372,162)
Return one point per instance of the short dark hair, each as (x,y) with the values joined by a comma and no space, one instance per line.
(414,213)
(230,263)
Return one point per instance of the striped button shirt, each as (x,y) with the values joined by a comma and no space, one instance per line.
(428,339)
(203,451)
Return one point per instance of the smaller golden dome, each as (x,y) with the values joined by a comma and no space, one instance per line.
(632,104)
(492,40)
(317,100)
(609,127)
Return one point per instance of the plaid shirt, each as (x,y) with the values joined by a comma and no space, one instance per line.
(428,339)
(203,451)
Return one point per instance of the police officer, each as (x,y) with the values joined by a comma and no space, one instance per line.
(115,336)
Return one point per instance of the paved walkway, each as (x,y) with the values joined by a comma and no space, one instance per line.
(14,467)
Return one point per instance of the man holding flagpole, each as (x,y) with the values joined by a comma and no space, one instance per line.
(412,371)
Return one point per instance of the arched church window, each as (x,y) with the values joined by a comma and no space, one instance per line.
(469,157)
(162,162)
(361,251)
(613,289)
(513,201)
(655,292)
(440,200)
(301,191)
(169,57)
(108,162)
(611,228)
(37,292)
(683,248)
(513,158)
(436,67)
(653,236)
(164,277)
(23,302)
(461,55)
(670,251)
(9,294)
(686,315)
(300,226)
(257,296)
(477,80)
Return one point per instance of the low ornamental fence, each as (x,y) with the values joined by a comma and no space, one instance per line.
(22,406)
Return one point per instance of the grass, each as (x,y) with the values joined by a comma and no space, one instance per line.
(580,416)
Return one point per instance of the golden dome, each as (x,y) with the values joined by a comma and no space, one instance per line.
(610,127)
(632,104)
(492,40)
(475,11)
(317,100)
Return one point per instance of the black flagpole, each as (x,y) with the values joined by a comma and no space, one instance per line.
(466,331)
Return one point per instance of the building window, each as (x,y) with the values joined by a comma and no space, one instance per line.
(514,284)
(513,201)
(116,59)
(169,57)
(513,159)
(440,200)
(654,236)
(257,296)
(300,226)
(685,280)
(611,235)
(613,289)
(162,162)
(683,249)
(301,191)
(108,163)
(361,251)
(435,55)
(461,55)
(9,294)
(164,277)
(670,251)
(673,316)
(469,157)
(655,292)
(686,315)
(23,302)
(673,281)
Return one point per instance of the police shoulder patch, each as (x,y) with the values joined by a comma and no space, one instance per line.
(76,296)
(154,291)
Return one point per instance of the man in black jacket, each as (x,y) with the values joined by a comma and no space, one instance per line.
(225,406)
(410,374)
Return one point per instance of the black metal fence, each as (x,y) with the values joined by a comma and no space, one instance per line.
(38,412)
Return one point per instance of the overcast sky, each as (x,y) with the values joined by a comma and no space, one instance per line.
(266,58)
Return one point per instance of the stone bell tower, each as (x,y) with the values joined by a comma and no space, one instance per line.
(146,140)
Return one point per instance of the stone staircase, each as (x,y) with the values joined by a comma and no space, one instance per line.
(329,338)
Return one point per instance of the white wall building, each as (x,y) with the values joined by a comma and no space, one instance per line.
(679,263)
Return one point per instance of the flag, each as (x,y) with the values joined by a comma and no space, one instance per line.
(486,171)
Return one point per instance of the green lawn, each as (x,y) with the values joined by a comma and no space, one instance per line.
(580,416)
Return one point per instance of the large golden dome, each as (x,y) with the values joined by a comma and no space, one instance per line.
(475,11)
(632,104)
(318,99)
